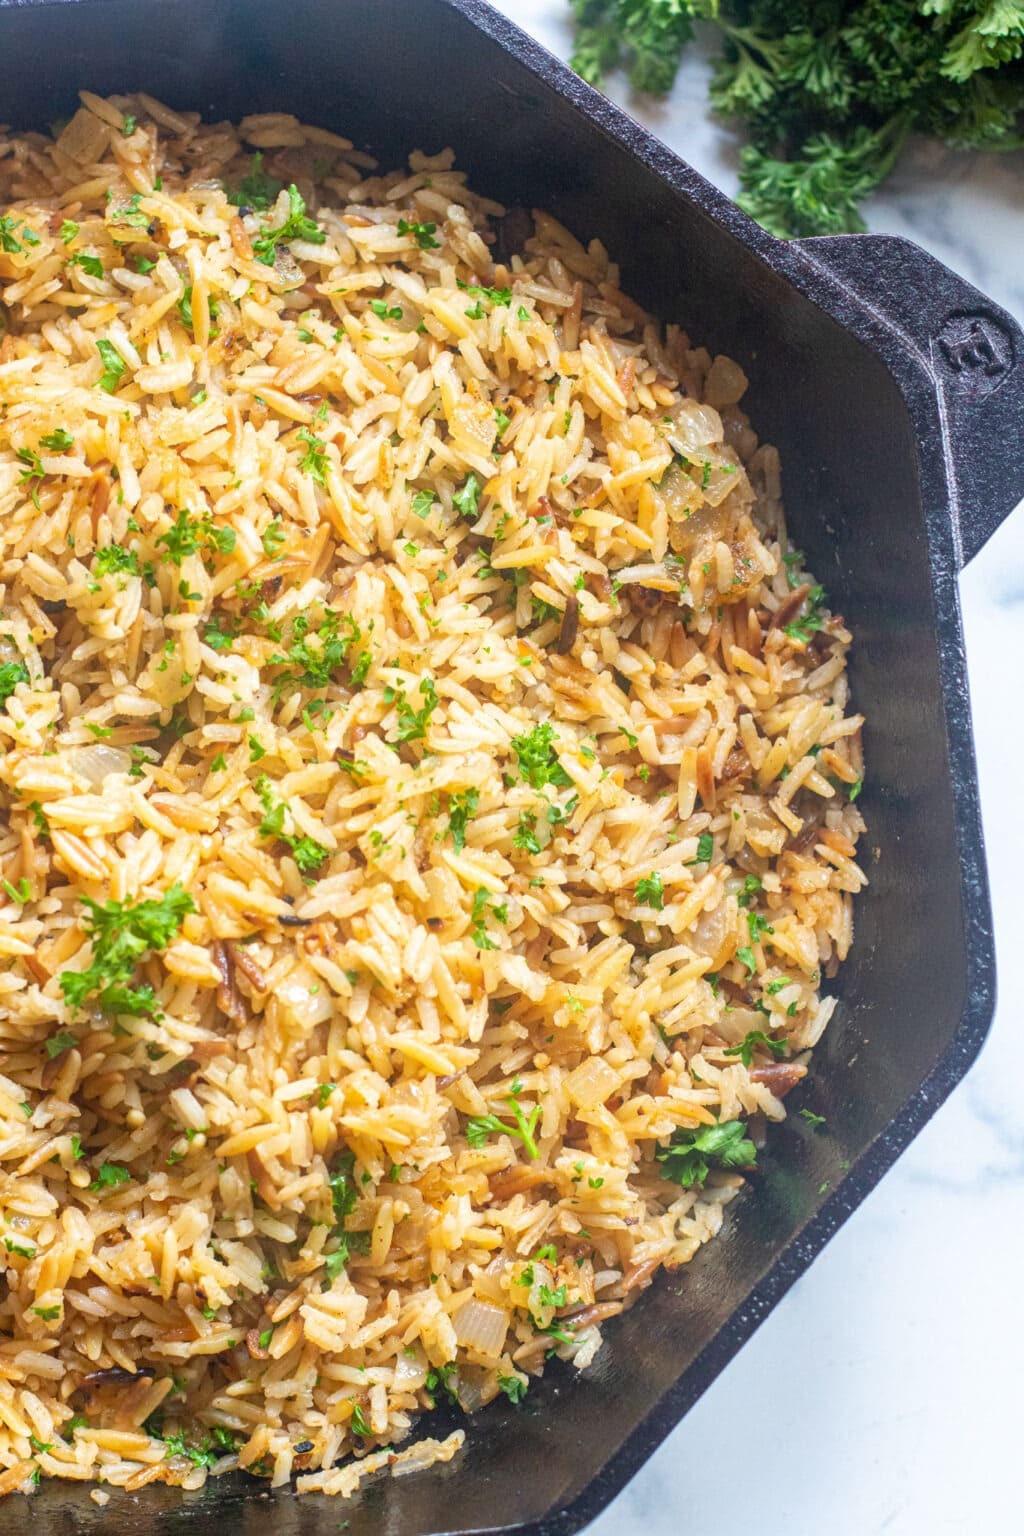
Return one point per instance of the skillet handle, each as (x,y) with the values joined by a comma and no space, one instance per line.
(974,354)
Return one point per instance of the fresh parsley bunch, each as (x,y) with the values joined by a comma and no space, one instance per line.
(829,90)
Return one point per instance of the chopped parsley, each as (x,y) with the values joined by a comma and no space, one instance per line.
(412,723)
(306,851)
(314,461)
(481,898)
(122,934)
(19,1248)
(691,1154)
(462,807)
(805,628)
(813,1120)
(113,559)
(189,535)
(57,1044)
(514,1387)
(109,1176)
(526,834)
(422,502)
(536,757)
(501,296)
(297,226)
(467,500)
(745,1050)
(316,653)
(650,892)
(257,190)
(114,366)
(90,265)
(11,674)
(422,233)
(273,538)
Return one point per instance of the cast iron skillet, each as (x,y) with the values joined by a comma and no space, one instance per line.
(894,392)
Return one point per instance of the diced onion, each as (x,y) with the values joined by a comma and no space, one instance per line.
(306,1006)
(481,1327)
(94,763)
(726,382)
(410,1373)
(694,428)
(592,1082)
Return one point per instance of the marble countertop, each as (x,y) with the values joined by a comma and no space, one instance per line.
(885,1384)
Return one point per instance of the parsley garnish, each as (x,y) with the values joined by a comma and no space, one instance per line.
(812,1119)
(412,723)
(537,759)
(467,501)
(525,834)
(745,1050)
(114,366)
(422,502)
(746,955)
(650,891)
(481,1126)
(187,535)
(109,1175)
(257,190)
(501,296)
(423,234)
(122,934)
(11,674)
(273,538)
(114,558)
(57,1044)
(690,1155)
(297,226)
(805,628)
(314,461)
(317,653)
(514,1388)
(306,851)
(462,808)
(19,1248)
(91,265)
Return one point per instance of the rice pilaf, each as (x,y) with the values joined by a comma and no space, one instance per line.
(428,800)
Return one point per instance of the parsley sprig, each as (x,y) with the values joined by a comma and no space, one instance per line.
(828,92)
(481,1126)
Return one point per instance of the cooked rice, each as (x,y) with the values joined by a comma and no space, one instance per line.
(403,921)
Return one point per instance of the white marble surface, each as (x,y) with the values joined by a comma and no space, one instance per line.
(883,1394)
